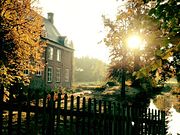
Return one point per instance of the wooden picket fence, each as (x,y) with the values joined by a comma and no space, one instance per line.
(71,115)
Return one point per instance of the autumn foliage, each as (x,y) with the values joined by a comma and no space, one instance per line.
(151,60)
(20,45)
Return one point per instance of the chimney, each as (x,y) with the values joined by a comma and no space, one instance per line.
(51,17)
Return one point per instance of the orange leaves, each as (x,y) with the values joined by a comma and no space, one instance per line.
(21,30)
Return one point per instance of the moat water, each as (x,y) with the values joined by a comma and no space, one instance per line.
(172,118)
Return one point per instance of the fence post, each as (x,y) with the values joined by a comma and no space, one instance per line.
(1,108)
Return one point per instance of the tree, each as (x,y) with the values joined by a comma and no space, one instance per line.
(133,19)
(168,14)
(89,69)
(20,45)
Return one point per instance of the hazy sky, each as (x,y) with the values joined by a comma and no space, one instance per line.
(81,21)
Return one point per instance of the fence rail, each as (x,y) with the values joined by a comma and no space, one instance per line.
(70,115)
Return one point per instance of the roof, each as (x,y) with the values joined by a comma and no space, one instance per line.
(52,33)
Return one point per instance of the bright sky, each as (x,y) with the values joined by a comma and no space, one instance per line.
(81,21)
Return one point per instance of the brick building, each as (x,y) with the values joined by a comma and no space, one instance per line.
(58,56)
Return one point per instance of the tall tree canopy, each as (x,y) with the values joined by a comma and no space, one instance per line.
(168,14)
(20,44)
(89,70)
(151,56)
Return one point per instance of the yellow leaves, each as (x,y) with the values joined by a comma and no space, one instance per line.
(130,11)
(141,73)
(122,16)
(22,27)
(144,72)
(167,55)
(158,53)
(5,77)
(156,64)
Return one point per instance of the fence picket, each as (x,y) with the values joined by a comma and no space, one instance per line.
(83,115)
(105,119)
(123,121)
(94,117)
(89,116)
(19,112)
(98,118)
(36,109)
(1,108)
(10,116)
(145,118)
(28,112)
(71,113)
(109,117)
(44,114)
(65,113)
(118,119)
(50,126)
(58,114)
(163,129)
(149,118)
(113,118)
(77,116)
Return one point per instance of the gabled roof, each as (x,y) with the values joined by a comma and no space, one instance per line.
(52,33)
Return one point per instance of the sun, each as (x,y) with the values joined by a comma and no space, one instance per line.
(134,42)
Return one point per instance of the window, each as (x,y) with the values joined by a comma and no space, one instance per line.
(58,75)
(26,72)
(50,53)
(38,73)
(67,75)
(49,74)
(58,55)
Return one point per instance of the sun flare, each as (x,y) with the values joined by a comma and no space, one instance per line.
(134,42)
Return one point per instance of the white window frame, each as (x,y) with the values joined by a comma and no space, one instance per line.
(50,74)
(67,73)
(50,53)
(59,55)
(58,75)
